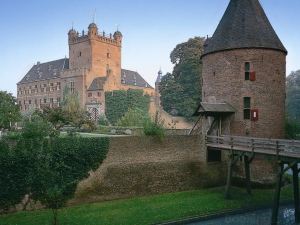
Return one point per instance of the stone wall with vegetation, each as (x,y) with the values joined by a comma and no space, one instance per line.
(138,166)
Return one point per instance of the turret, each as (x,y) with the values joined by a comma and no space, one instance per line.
(72,35)
(93,30)
(159,77)
(118,36)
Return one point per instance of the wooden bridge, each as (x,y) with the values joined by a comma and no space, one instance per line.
(285,152)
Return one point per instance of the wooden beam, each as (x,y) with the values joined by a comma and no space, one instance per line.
(247,174)
(275,209)
(296,192)
(229,177)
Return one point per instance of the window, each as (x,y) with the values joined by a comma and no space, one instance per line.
(45,100)
(79,54)
(72,87)
(51,100)
(247,71)
(214,155)
(108,55)
(99,94)
(90,94)
(29,102)
(247,108)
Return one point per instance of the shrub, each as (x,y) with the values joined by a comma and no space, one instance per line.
(292,129)
(154,128)
(37,128)
(133,118)
(102,121)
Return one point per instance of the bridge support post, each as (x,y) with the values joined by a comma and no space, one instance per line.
(296,192)
(275,209)
(229,176)
(247,174)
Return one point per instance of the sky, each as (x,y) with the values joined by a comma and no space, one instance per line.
(36,30)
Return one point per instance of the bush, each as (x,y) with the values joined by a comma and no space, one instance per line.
(154,128)
(102,121)
(133,118)
(292,129)
(37,128)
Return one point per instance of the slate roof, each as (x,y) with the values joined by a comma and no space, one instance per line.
(51,70)
(97,84)
(211,109)
(45,71)
(244,25)
(129,77)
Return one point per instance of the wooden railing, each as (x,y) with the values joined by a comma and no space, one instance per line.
(281,147)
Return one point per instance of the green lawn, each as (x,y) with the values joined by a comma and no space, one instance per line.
(148,210)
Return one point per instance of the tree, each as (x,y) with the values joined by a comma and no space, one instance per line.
(293,96)
(181,90)
(9,110)
(61,163)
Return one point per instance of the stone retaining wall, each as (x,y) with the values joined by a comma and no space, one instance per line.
(137,166)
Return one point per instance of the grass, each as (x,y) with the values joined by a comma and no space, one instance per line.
(148,210)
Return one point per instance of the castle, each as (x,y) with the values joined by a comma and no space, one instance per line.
(244,74)
(93,68)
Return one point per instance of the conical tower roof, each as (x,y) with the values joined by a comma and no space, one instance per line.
(244,25)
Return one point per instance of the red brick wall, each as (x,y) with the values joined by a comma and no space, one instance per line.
(224,80)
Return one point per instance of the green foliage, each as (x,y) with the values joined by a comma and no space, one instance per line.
(181,90)
(102,121)
(48,169)
(117,103)
(9,110)
(154,128)
(14,167)
(293,96)
(133,118)
(56,116)
(37,128)
(70,113)
(62,164)
(292,129)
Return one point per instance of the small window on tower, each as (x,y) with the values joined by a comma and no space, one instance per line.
(72,87)
(108,55)
(90,94)
(247,71)
(247,108)
(79,53)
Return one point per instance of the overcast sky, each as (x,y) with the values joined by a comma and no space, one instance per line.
(36,30)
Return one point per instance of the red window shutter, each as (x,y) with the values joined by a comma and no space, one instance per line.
(252,76)
(254,115)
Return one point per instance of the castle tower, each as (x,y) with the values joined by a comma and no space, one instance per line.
(98,52)
(157,86)
(244,64)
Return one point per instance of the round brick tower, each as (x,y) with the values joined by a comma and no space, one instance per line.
(244,64)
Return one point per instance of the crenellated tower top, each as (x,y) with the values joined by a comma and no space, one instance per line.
(94,34)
